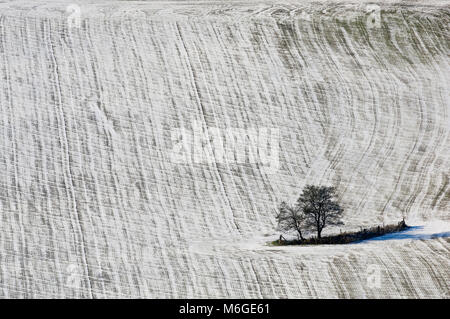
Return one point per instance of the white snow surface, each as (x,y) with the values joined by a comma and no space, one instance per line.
(92,206)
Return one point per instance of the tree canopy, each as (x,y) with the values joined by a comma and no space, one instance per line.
(315,209)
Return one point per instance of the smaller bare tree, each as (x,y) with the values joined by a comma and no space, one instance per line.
(290,218)
(319,207)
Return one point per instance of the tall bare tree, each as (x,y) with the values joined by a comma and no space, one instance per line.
(290,218)
(319,207)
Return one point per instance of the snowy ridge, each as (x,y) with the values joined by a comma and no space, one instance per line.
(93,206)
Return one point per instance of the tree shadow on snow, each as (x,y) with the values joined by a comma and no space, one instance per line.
(414,232)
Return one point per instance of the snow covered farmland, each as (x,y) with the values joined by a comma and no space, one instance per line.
(93,205)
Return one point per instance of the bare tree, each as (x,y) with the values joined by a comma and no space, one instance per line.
(290,218)
(319,208)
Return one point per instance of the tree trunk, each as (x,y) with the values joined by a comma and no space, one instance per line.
(299,234)
(319,230)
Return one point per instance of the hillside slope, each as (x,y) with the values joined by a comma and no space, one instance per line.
(93,203)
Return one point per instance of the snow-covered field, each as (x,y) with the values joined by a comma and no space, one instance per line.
(92,94)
